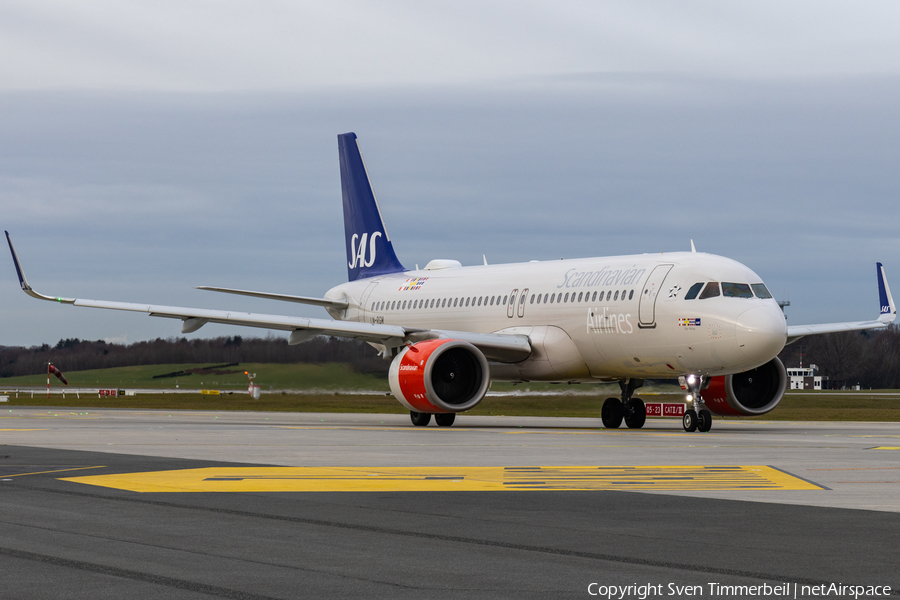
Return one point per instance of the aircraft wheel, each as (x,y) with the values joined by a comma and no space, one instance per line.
(419,419)
(444,419)
(635,413)
(704,421)
(690,420)
(611,413)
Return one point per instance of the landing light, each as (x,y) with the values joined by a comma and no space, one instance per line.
(691,379)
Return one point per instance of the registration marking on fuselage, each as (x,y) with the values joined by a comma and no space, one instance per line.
(409,479)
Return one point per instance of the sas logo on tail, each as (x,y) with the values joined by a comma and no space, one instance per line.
(359,253)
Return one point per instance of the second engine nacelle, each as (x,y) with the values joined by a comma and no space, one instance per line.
(439,376)
(749,393)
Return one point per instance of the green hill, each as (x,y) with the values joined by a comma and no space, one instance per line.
(329,376)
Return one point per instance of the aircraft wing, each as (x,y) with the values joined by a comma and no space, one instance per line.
(887,316)
(495,346)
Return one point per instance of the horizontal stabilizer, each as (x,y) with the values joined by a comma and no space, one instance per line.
(335,304)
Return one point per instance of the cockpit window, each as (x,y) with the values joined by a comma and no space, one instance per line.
(761,290)
(736,290)
(710,291)
(692,293)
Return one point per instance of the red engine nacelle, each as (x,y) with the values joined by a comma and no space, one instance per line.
(439,376)
(749,393)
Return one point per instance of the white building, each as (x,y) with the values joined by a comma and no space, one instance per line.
(804,378)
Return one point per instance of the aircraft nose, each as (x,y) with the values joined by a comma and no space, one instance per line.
(761,332)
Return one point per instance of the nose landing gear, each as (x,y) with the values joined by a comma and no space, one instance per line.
(696,417)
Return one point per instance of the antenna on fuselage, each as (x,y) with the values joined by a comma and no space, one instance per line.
(693,249)
(484,256)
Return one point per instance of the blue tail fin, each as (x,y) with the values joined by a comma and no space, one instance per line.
(369,249)
(888,309)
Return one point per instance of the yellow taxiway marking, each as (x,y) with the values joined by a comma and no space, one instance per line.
(408,479)
(55,471)
(885,448)
(24,430)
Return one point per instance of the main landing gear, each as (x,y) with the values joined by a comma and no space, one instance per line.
(423,419)
(628,409)
(696,416)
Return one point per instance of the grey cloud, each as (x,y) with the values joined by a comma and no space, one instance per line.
(141,197)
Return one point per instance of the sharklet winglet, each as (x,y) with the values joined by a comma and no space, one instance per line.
(24,282)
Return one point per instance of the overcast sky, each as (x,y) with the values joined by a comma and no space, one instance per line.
(149,147)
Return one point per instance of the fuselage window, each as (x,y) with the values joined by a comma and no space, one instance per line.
(580,296)
(404,305)
(479,300)
(616,297)
(736,290)
(505,298)
(522,300)
(631,294)
(710,291)
(492,300)
(761,290)
(532,299)
(567,297)
(545,298)
(454,302)
(392,304)
(594,297)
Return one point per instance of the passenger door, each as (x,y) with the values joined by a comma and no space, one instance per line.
(647,305)
(511,307)
(522,299)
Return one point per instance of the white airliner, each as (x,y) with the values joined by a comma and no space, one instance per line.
(450,330)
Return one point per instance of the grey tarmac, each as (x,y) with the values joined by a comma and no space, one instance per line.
(73,540)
